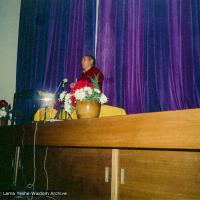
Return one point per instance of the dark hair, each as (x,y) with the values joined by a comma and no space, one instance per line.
(91,58)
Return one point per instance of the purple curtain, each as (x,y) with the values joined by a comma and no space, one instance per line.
(73,48)
(53,36)
(149,51)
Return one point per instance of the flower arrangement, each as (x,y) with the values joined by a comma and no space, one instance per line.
(5,110)
(82,90)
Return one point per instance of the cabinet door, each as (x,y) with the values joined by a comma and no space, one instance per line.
(79,172)
(7,155)
(159,175)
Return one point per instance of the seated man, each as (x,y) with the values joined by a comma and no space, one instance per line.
(90,71)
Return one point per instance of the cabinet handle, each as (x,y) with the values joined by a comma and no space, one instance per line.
(106,174)
(122,175)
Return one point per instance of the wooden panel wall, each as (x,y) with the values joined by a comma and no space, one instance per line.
(79,172)
(160,175)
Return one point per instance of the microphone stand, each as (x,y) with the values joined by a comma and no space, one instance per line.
(63,86)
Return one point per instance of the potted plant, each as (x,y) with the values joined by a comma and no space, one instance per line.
(85,97)
(5,110)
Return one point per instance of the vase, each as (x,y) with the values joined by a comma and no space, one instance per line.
(87,109)
(3,122)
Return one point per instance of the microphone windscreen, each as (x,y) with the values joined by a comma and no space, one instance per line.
(65,80)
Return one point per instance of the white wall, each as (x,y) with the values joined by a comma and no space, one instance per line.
(9,25)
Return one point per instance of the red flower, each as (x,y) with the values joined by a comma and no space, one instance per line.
(81,84)
(90,85)
(4,103)
(73,99)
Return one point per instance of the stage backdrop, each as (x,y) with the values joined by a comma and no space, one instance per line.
(149,50)
(53,36)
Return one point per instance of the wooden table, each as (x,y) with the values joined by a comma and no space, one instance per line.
(141,156)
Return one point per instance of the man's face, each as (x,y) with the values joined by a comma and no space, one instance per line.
(86,62)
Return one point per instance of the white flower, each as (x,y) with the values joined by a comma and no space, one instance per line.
(67,103)
(80,94)
(103,99)
(62,96)
(10,115)
(97,90)
(68,107)
(88,90)
(3,113)
(3,108)
(67,97)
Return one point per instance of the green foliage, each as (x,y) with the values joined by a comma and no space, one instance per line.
(95,81)
(94,96)
(96,92)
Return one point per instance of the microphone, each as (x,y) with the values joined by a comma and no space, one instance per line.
(62,83)
(65,80)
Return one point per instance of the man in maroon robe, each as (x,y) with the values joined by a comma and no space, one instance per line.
(90,71)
